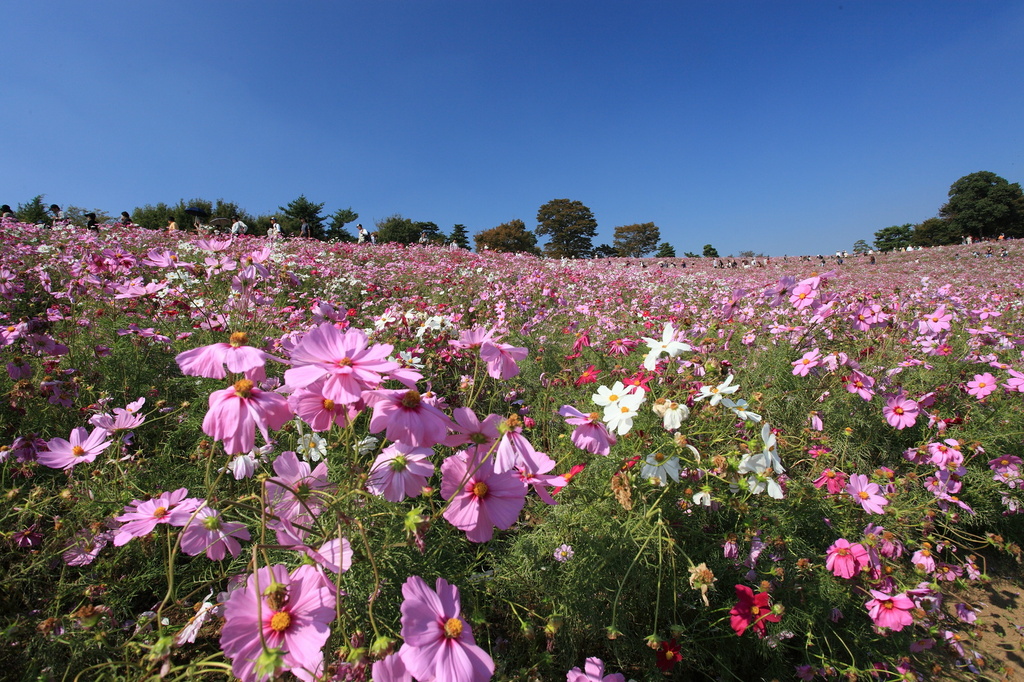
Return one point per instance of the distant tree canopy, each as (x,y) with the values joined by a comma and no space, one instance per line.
(510,237)
(665,250)
(710,251)
(636,241)
(983,206)
(935,232)
(430,230)
(397,229)
(32,211)
(460,236)
(338,220)
(570,226)
(292,215)
(861,246)
(605,251)
(894,237)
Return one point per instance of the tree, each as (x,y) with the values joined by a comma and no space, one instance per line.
(338,220)
(33,211)
(935,232)
(76,215)
(510,237)
(984,205)
(432,231)
(571,227)
(302,209)
(397,229)
(710,251)
(665,250)
(460,237)
(605,251)
(861,246)
(894,237)
(690,254)
(150,217)
(636,241)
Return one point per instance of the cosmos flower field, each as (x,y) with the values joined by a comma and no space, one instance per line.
(251,459)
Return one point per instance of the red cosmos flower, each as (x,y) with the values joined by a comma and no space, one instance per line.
(589,376)
(667,655)
(751,610)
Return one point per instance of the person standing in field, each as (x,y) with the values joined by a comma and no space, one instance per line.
(275,229)
(126,220)
(172,226)
(56,215)
(304,229)
(361,233)
(238,227)
(91,222)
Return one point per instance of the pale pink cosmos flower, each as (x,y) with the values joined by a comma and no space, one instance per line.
(141,517)
(590,433)
(469,430)
(935,322)
(237,411)
(867,494)
(890,611)
(900,411)
(82,447)
(1015,382)
(407,417)
(292,611)
(844,559)
(236,355)
(439,643)
(206,532)
(346,359)
(123,419)
(480,499)
(533,470)
(86,545)
(805,364)
(861,384)
(512,446)
(400,471)
(319,411)
(502,359)
(982,386)
(297,494)
(593,671)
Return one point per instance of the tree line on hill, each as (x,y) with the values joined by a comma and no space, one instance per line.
(981,206)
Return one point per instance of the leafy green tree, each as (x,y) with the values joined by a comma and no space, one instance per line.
(460,236)
(151,217)
(894,237)
(338,220)
(76,215)
(433,232)
(935,232)
(710,251)
(605,251)
(300,209)
(690,254)
(33,211)
(510,237)
(665,250)
(637,240)
(395,228)
(861,246)
(984,205)
(570,227)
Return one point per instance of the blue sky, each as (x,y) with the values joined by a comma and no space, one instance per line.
(778,127)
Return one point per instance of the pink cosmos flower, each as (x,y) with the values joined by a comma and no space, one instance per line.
(805,364)
(142,516)
(391,668)
(209,361)
(469,430)
(867,494)
(296,493)
(982,386)
(237,411)
(751,611)
(319,411)
(206,532)
(473,338)
(82,447)
(480,499)
(861,384)
(533,470)
(590,433)
(900,411)
(890,611)
(439,643)
(400,471)
(1015,382)
(86,545)
(407,417)
(344,358)
(501,359)
(846,560)
(593,671)
(292,611)
(935,322)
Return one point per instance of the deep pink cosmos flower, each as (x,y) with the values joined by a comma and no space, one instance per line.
(291,611)
(439,643)
(479,498)
(890,611)
(347,361)
(982,386)
(805,364)
(209,361)
(751,610)
(590,433)
(400,471)
(319,411)
(237,411)
(142,516)
(833,481)
(533,470)
(206,532)
(867,494)
(861,384)
(469,430)
(407,417)
(82,447)
(846,560)
(900,411)
(593,671)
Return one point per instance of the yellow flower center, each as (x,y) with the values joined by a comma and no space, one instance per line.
(280,621)
(239,339)
(328,404)
(411,399)
(78,451)
(243,387)
(452,628)
(613,398)
(160,512)
(480,489)
(863,495)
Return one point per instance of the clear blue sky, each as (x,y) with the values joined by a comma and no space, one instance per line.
(779,127)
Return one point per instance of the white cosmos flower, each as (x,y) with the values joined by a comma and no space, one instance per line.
(740,408)
(619,416)
(668,344)
(716,393)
